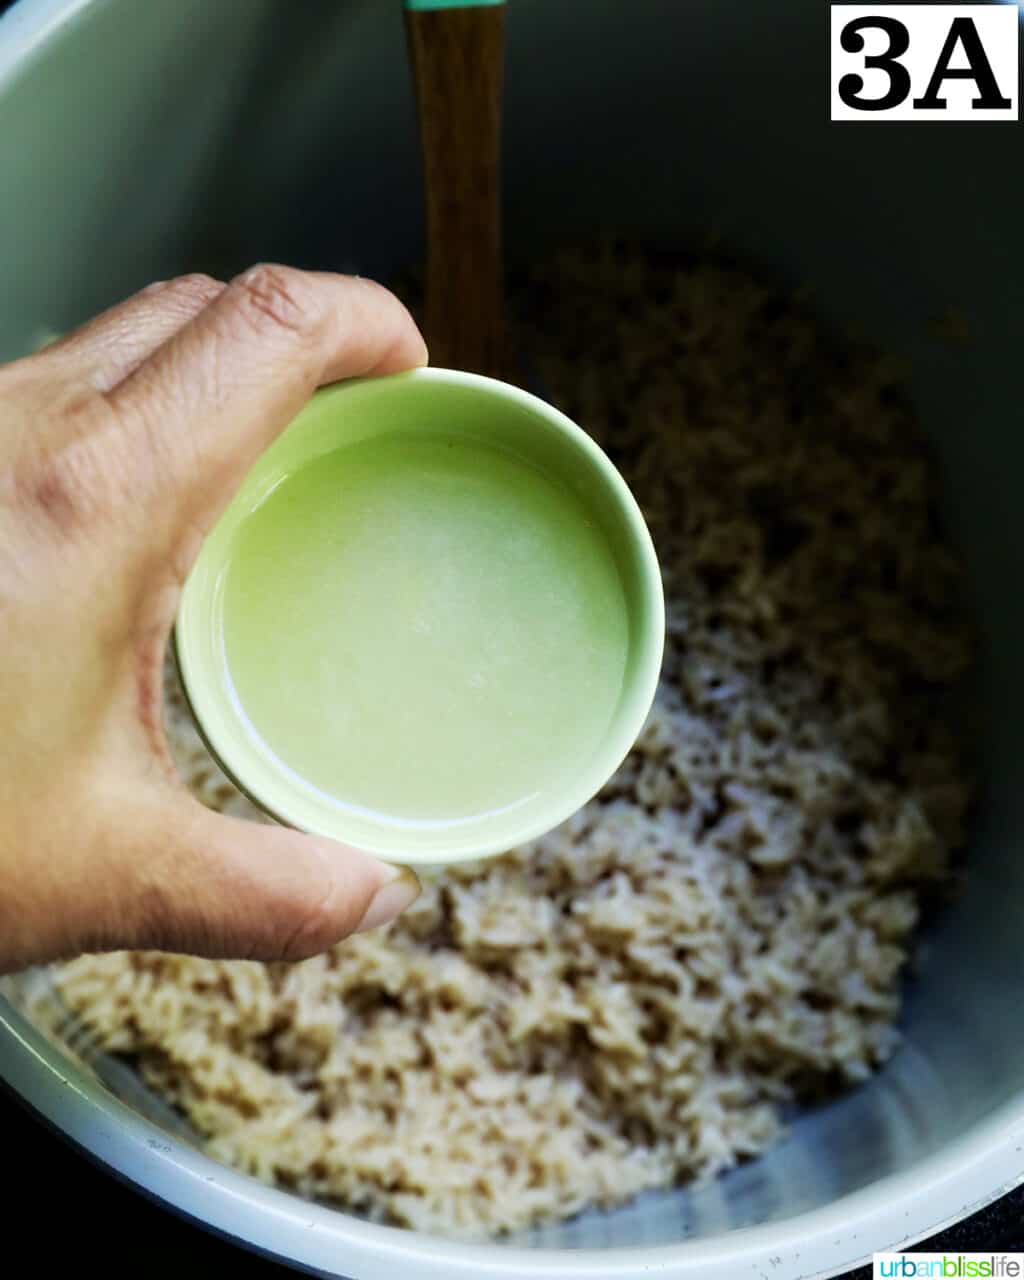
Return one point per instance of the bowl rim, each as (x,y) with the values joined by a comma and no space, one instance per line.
(286,800)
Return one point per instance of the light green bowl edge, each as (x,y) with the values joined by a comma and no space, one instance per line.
(648,620)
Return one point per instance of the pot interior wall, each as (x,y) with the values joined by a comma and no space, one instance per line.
(142,140)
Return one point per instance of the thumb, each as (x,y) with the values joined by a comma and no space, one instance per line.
(229,889)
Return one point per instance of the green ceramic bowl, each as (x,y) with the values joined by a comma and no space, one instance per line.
(456,660)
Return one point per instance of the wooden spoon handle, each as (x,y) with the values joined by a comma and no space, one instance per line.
(457,56)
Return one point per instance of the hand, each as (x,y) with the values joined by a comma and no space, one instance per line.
(119,447)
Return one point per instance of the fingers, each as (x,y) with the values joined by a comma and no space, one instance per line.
(224,888)
(62,385)
(112,345)
(227,382)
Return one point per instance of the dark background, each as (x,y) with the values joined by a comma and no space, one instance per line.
(74,1216)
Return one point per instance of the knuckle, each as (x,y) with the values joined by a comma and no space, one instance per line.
(158,921)
(66,477)
(194,290)
(279,298)
(159,905)
(197,282)
(58,488)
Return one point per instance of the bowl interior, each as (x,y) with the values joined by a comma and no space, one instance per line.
(256,131)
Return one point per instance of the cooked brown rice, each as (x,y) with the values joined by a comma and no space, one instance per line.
(628,1002)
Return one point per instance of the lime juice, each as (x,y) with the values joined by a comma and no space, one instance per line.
(424,628)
